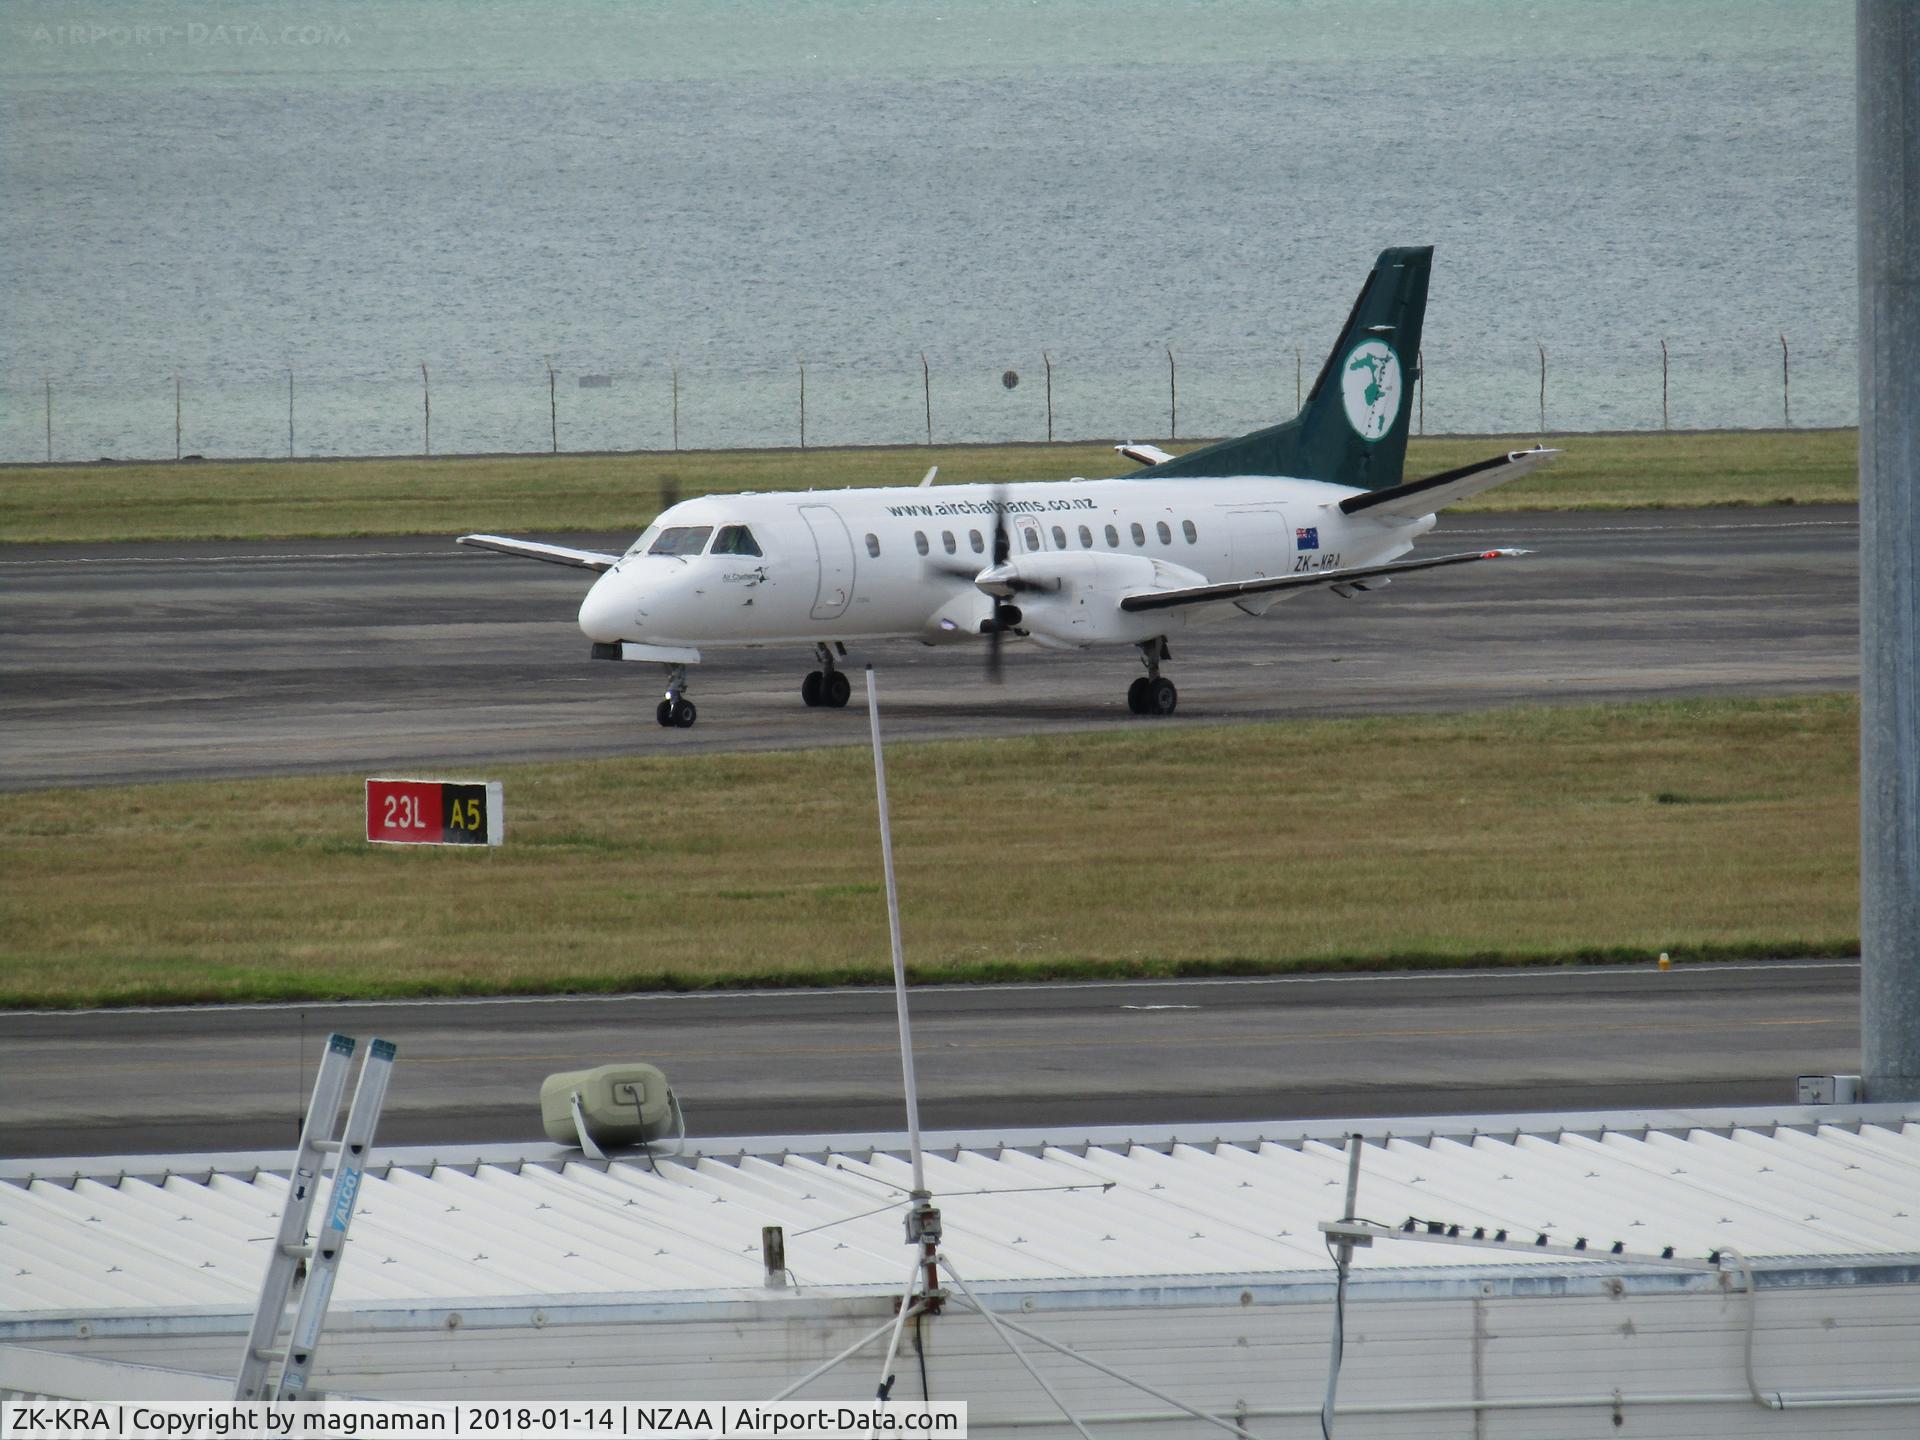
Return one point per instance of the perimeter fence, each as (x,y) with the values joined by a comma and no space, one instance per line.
(573,402)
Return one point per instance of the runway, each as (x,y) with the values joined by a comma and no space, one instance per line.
(178,661)
(1158,1053)
(157,662)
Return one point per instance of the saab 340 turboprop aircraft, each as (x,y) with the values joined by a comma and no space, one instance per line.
(1230,529)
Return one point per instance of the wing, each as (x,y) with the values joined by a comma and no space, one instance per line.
(534,550)
(1240,589)
(1422,497)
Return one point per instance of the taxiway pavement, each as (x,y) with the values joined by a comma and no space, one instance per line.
(988,1057)
(178,661)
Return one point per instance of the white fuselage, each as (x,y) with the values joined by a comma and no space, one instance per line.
(897,563)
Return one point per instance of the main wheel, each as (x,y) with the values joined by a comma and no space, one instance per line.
(1163,697)
(664,714)
(683,714)
(1137,695)
(810,688)
(838,689)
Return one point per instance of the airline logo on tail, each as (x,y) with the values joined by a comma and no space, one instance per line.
(1370,386)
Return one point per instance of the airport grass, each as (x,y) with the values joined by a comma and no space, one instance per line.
(1708,829)
(619,493)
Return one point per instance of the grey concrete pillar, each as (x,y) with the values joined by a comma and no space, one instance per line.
(1888,37)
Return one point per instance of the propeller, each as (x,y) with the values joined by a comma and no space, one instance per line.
(1002,548)
(1002,584)
(997,582)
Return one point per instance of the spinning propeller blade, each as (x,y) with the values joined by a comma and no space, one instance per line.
(1002,548)
(1004,616)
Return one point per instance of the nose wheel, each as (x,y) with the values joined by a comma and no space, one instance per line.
(676,712)
(1153,693)
(828,686)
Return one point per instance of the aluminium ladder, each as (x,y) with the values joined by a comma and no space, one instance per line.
(290,1246)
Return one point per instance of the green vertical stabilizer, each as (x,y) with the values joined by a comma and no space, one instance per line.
(1353,428)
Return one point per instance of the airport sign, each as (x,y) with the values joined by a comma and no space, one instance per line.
(435,812)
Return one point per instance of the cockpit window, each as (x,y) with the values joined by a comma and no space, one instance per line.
(639,547)
(682,540)
(735,540)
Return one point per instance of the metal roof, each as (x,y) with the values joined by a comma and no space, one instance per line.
(89,1236)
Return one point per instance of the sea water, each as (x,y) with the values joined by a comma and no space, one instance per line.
(631,225)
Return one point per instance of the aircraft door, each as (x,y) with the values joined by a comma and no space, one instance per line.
(1262,546)
(834,547)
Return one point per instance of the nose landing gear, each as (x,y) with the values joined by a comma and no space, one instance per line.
(1152,693)
(827,686)
(676,712)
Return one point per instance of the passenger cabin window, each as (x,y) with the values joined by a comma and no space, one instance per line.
(1031,535)
(1113,538)
(946,540)
(1166,535)
(682,540)
(1139,535)
(1086,538)
(1186,529)
(735,540)
(920,541)
(1059,538)
(974,539)
(873,546)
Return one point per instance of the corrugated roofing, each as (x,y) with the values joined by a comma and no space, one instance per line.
(1116,1211)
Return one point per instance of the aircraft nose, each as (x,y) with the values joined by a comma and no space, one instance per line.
(607,613)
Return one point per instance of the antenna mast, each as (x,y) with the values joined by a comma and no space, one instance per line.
(923,1219)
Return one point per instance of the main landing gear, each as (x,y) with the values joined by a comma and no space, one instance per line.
(1152,693)
(676,712)
(828,685)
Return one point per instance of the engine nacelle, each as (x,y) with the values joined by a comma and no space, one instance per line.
(959,619)
(1072,598)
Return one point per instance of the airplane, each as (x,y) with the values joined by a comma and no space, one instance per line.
(1226,530)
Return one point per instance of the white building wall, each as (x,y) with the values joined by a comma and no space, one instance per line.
(1399,1352)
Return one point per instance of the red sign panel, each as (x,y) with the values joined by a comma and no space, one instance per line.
(434,812)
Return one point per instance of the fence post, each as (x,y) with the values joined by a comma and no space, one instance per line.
(1173,399)
(176,414)
(49,421)
(803,404)
(426,412)
(1543,388)
(1786,393)
(290,412)
(553,407)
(675,365)
(1663,383)
(926,383)
(1420,385)
(1047,360)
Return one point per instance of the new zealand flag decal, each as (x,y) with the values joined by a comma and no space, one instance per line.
(1307,538)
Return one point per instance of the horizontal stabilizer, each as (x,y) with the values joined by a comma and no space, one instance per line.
(1349,576)
(1422,497)
(534,550)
